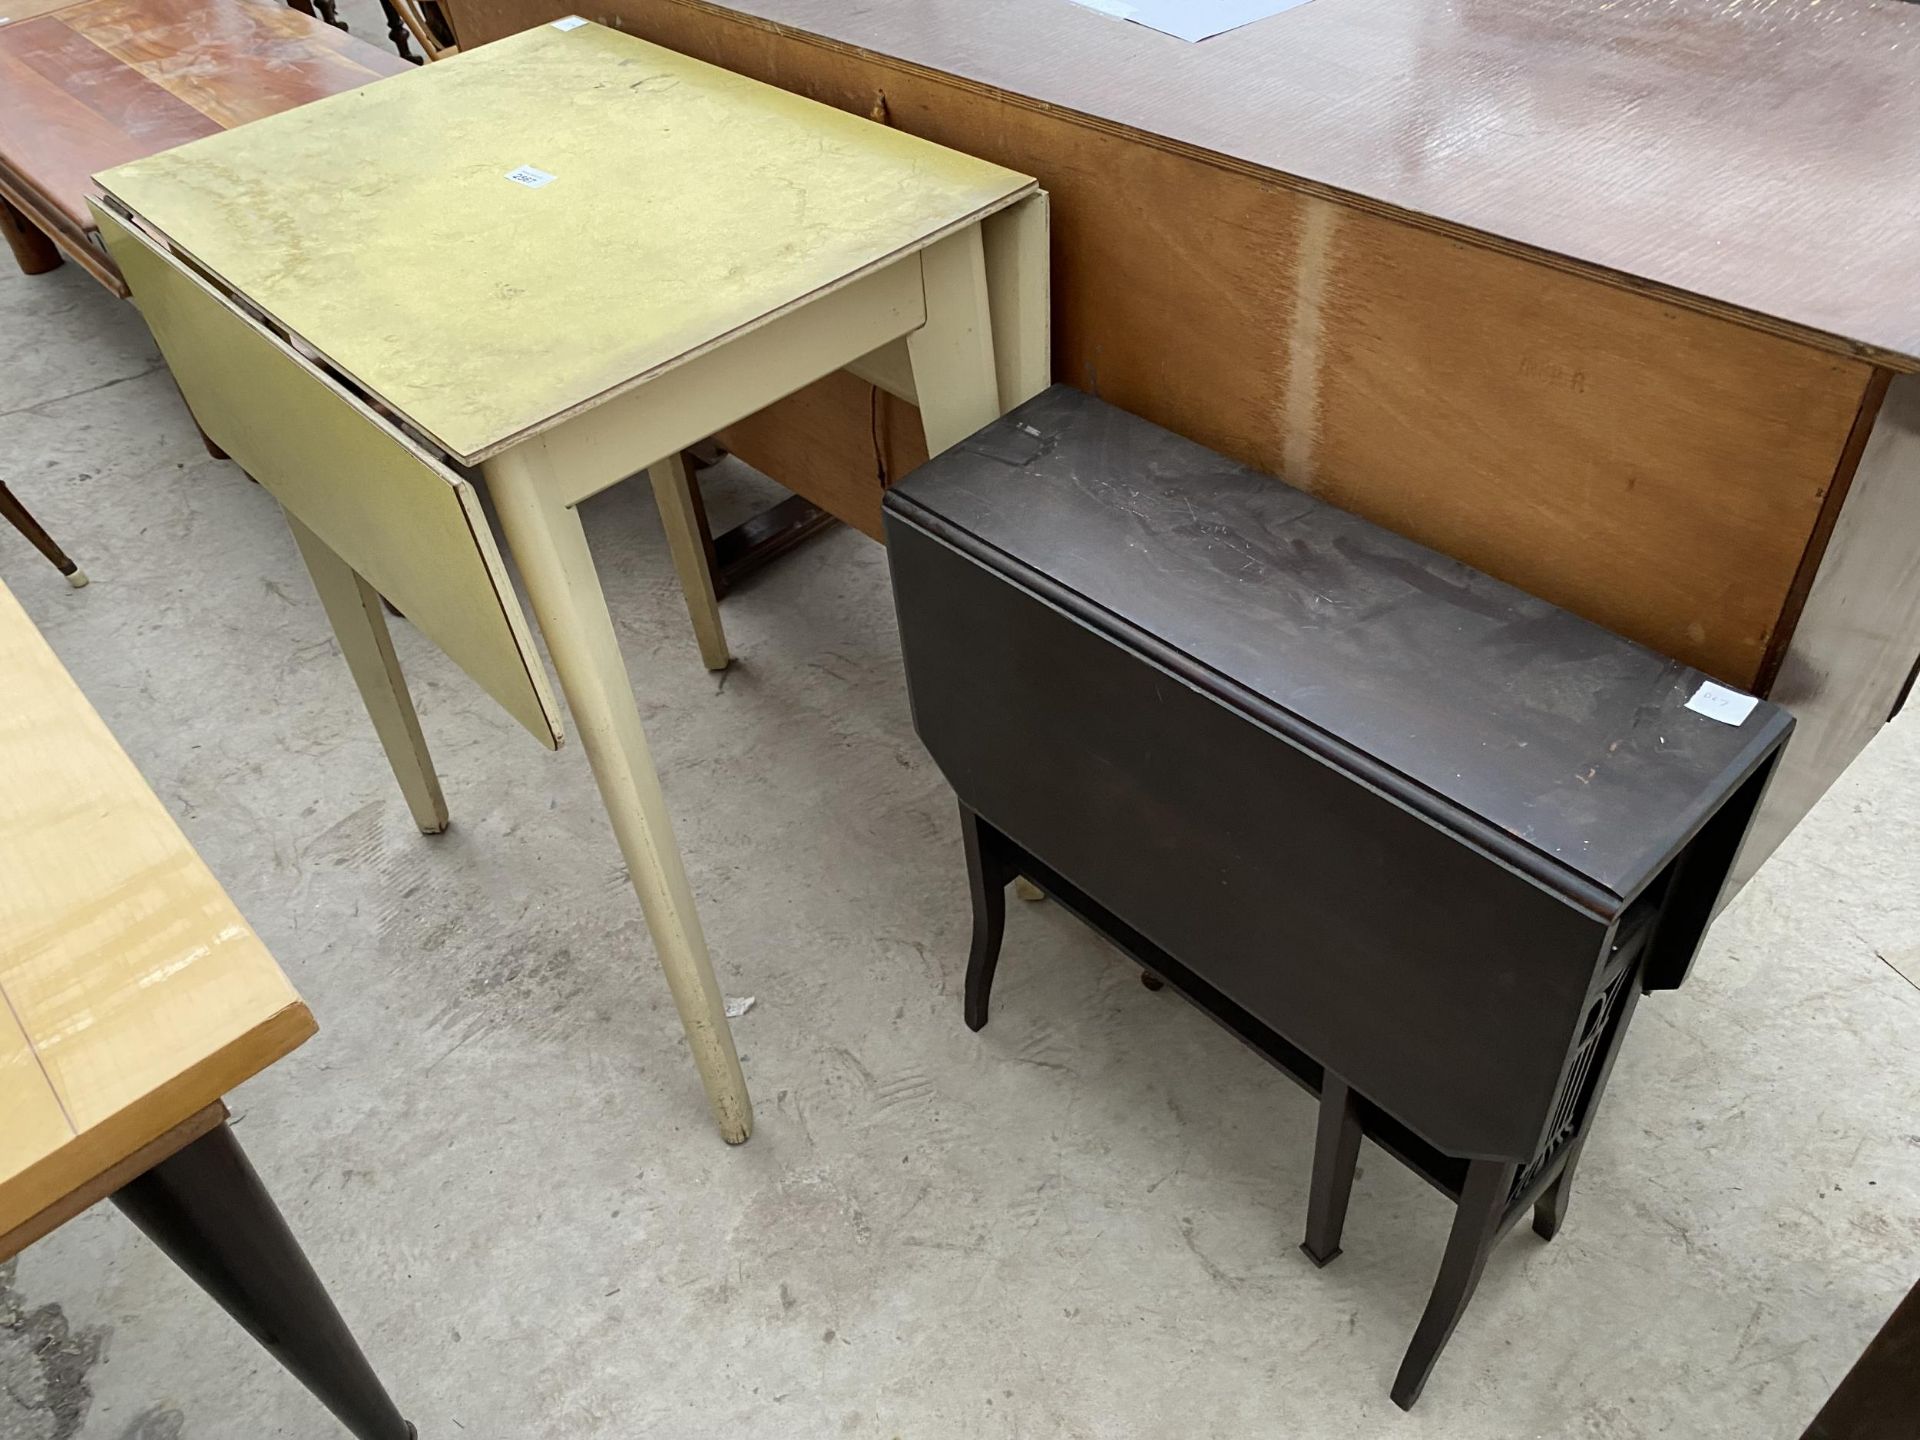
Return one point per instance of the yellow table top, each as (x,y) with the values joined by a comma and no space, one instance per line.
(132,993)
(686,204)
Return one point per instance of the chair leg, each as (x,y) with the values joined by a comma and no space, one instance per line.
(397,33)
(206,1209)
(988,875)
(35,253)
(14,511)
(1336,1153)
(1476,1225)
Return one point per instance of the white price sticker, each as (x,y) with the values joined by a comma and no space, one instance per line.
(572,22)
(528,176)
(1717,702)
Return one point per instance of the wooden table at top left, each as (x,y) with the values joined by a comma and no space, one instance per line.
(87,86)
(135,996)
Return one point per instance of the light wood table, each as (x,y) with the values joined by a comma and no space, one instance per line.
(136,996)
(559,260)
(1522,280)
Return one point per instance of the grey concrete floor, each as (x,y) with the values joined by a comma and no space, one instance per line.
(1079,1223)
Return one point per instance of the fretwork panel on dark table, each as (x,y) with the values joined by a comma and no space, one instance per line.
(1416,836)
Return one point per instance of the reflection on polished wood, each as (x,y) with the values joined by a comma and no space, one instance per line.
(93,84)
(136,994)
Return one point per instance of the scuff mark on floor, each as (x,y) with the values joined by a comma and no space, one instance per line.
(44,1366)
(159,1423)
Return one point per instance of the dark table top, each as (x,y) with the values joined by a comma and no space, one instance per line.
(1571,739)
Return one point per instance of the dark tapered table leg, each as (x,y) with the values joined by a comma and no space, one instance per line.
(988,875)
(208,1211)
(1476,1225)
(1335,1154)
(22,520)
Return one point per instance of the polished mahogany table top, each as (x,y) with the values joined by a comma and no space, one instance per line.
(88,86)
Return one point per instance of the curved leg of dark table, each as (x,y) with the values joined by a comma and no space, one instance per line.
(1476,1225)
(988,875)
(206,1208)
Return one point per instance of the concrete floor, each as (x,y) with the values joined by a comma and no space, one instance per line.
(1079,1223)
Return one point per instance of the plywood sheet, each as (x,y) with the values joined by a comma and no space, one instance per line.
(1653,468)
(134,992)
(411,527)
(1756,156)
(686,205)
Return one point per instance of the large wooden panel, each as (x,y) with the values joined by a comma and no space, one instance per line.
(813,443)
(412,528)
(1758,157)
(480,309)
(134,994)
(1653,468)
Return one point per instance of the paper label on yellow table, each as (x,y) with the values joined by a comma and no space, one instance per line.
(528,176)
(572,22)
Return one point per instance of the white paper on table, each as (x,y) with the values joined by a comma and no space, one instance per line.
(1190,19)
(1717,702)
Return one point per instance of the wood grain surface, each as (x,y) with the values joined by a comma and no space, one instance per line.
(1655,468)
(14,11)
(135,995)
(95,84)
(1754,156)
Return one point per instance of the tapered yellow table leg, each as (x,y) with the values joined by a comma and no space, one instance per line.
(550,546)
(954,376)
(360,626)
(673,493)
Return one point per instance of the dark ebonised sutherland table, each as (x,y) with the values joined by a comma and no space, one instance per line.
(1420,839)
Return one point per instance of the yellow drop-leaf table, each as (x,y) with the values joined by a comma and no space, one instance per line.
(559,259)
